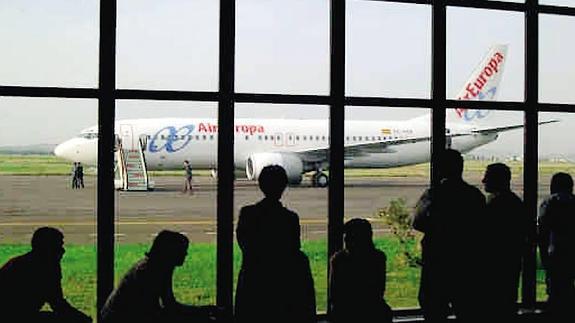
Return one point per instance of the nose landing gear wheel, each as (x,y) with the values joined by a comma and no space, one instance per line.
(320,179)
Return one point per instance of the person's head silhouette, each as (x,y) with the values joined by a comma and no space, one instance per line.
(451,164)
(48,244)
(273,181)
(497,178)
(561,183)
(169,248)
(358,235)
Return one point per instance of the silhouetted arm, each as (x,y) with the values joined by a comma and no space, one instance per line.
(243,229)
(334,284)
(544,232)
(421,214)
(59,304)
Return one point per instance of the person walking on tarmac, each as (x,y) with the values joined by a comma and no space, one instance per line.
(188,179)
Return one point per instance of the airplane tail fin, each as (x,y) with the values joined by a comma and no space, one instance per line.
(482,85)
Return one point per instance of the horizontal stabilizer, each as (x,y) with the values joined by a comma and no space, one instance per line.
(507,128)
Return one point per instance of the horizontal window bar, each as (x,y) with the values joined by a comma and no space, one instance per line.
(388,102)
(565,11)
(48,92)
(167,95)
(282,98)
(482,4)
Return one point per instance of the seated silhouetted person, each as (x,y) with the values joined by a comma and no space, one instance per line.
(275,282)
(556,229)
(357,278)
(506,241)
(145,292)
(29,281)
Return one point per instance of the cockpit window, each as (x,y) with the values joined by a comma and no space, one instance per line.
(88,135)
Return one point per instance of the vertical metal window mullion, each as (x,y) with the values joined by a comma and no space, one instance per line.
(225,198)
(438,85)
(337,122)
(106,117)
(530,143)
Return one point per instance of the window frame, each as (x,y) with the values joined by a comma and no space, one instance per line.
(107,94)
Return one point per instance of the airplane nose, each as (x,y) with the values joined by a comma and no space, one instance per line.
(64,150)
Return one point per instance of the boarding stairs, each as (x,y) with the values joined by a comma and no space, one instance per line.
(131,170)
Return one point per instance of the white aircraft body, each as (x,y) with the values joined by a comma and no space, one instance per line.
(302,146)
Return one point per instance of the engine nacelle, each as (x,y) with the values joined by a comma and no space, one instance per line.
(291,163)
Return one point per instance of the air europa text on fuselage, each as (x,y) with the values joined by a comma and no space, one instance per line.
(489,71)
(240,128)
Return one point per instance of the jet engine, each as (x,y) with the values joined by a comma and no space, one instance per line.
(291,163)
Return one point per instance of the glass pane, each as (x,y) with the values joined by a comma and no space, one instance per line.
(49,43)
(563,3)
(556,66)
(282,46)
(171,45)
(394,64)
(281,134)
(555,155)
(384,184)
(485,55)
(170,133)
(37,187)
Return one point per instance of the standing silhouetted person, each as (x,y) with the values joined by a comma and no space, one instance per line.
(145,292)
(275,281)
(188,179)
(506,240)
(80,176)
(450,216)
(556,230)
(29,281)
(74,174)
(357,278)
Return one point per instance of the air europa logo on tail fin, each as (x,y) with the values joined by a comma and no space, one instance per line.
(474,89)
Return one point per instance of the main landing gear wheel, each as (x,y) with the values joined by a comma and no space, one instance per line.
(320,179)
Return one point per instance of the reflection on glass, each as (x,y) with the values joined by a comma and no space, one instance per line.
(385,176)
(36,188)
(153,141)
(295,137)
(556,68)
(485,60)
(381,61)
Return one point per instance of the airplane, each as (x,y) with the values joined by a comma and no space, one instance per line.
(302,146)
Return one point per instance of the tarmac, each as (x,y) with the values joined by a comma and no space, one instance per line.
(28,202)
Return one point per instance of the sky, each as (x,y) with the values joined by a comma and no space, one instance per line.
(282,46)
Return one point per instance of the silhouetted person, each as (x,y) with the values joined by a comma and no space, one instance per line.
(506,241)
(451,217)
(556,230)
(80,175)
(275,281)
(29,281)
(75,175)
(357,278)
(145,292)
(188,175)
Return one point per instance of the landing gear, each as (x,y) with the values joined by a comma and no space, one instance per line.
(319,179)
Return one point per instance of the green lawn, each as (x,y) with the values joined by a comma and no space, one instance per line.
(194,283)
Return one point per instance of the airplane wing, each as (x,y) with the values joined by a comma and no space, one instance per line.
(506,128)
(365,148)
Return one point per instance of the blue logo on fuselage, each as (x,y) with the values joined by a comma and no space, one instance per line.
(171,139)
